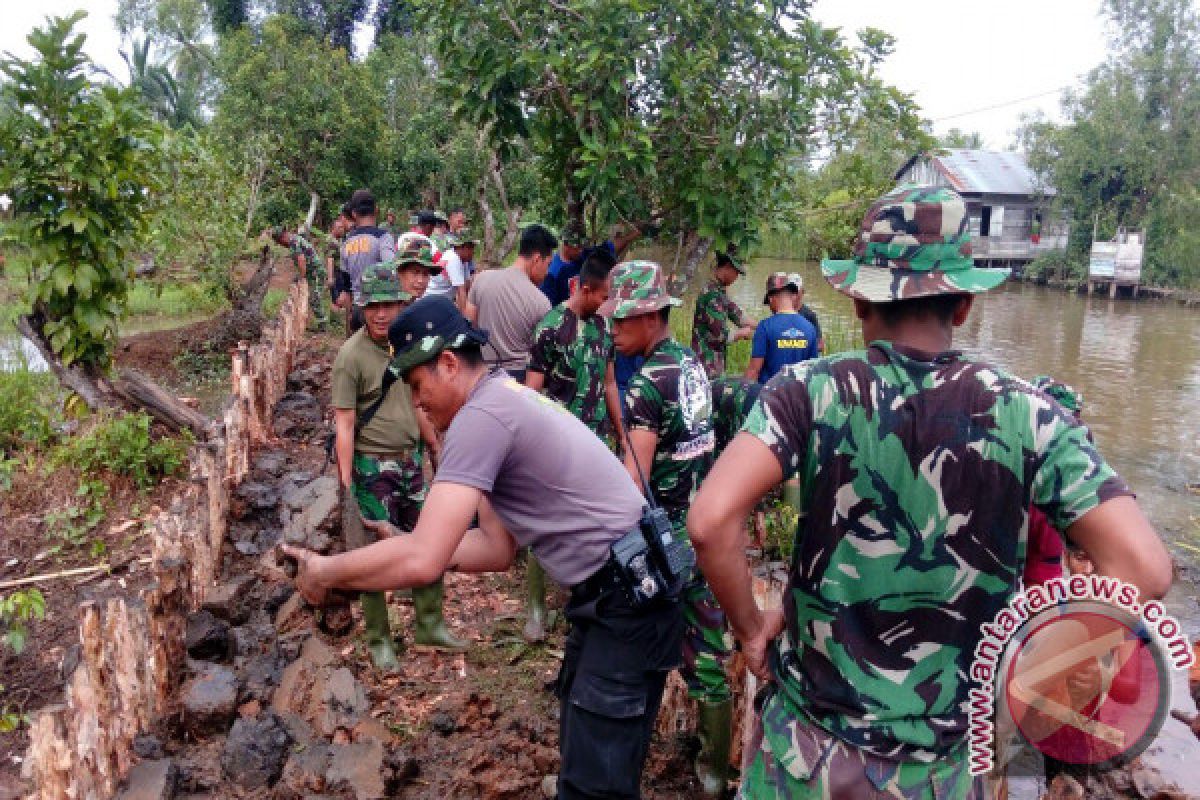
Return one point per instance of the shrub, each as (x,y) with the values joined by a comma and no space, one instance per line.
(29,409)
(122,444)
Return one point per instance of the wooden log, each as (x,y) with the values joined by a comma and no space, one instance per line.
(139,391)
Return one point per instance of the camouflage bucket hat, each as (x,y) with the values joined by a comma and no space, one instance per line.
(637,288)
(782,280)
(460,239)
(914,242)
(728,258)
(1063,394)
(416,249)
(572,234)
(425,329)
(382,285)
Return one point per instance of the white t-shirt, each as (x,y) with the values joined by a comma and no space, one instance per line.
(453,275)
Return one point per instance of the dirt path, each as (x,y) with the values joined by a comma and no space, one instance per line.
(275,706)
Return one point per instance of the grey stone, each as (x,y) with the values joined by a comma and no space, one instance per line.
(343,701)
(148,746)
(271,463)
(231,601)
(209,700)
(206,637)
(443,723)
(309,513)
(247,548)
(357,768)
(150,780)
(259,496)
(253,638)
(304,772)
(260,675)
(255,751)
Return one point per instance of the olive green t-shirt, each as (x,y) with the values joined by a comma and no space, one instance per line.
(357,378)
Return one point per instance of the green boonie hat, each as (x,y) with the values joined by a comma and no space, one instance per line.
(637,288)
(382,285)
(727,258)
(782,280)
(425,329)
(460,239)
(417,250)
(1063,394)
(913,242)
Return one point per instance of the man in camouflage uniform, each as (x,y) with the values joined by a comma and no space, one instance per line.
(571,361)
(715,309)
(310,267)
(414,264)
(917,468)
(668,410)
(380,462)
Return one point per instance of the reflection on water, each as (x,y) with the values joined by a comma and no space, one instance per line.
(1136,363)
(17,352)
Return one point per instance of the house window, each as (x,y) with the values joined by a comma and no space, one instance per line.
(985,221)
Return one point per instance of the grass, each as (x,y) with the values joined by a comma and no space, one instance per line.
(272,302)
(173,300)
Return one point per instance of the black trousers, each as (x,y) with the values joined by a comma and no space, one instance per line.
(610,686)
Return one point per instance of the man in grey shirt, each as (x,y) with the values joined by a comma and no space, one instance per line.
(537,477)
(508,304)
(365,245)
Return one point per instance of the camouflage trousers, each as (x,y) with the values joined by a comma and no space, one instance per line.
(706,643)
(318,297)
(787,757)
(390,488)
(712,359)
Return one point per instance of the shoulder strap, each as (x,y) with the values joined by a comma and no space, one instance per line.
(389,377)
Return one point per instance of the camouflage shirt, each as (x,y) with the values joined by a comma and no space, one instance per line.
(574,356)
(917,472)
(710,331)
(302,247)
(670,396)
(732,398)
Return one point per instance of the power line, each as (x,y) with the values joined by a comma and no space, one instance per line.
(1001,105)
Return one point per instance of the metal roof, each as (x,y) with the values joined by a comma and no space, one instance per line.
(987,172)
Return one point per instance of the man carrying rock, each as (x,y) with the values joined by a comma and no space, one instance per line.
(380,444)
(507,303)
(668,411)
(715,309)
(917,468)
(503,445)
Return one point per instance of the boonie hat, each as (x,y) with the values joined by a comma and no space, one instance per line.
(727,258)
(417,250)
(782,280)
(637,288)
(914,242)
(425,329)
(382,285)
(572,234)
(461,239)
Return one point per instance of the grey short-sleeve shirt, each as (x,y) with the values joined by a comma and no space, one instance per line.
(555,485)
(510,307)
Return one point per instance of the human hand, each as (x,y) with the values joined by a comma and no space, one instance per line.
(380,527)
(757,646)
(309,569)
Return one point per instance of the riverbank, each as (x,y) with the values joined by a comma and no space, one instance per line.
(1184,297)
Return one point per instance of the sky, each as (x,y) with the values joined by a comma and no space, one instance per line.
(956,57)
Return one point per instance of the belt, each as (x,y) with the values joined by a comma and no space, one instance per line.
(599,582)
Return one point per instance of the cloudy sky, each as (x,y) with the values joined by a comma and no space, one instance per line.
(977,67)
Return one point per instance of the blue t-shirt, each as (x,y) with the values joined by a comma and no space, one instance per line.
(557,283)
(783,339)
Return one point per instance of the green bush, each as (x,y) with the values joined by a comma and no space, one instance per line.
(174,300)
(29,409)
(122,444)
(1056,265)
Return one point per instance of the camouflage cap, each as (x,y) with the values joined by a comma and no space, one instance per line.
(572,235)
(913,242)
(1062,393)
(381,285)
(637,288)
(461,239)
(782,280)
(425,329)
(415,249)
(731,260)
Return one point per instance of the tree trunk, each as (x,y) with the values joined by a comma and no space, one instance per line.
(139,391)
(696,253)
(78,379)
(314,203)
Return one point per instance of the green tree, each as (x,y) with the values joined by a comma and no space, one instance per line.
(1129,153)
(394,18)
(686,112)
(170,56)
(228,15)
(82,162)
(970,140)
(333,20)
(302,118)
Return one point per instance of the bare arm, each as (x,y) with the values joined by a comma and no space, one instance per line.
(744,332)
(643,443)
(625,238)
(429,436)
(343,424)
(535,380)
(460,297)
(743,474)
(754,368)
(612,399)
(1119,540)
(471,312)
(416,559)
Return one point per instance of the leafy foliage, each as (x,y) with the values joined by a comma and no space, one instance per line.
(1129,154)
(122,444)
(28,410)
(17,609)
(82,161)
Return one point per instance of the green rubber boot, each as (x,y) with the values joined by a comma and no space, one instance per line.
(535,587)
(380,644)
(715,726)
(431,625)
